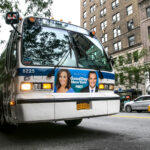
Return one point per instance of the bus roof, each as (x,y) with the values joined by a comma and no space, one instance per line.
(59,24)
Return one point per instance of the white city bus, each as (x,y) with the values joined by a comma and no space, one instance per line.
(46,72)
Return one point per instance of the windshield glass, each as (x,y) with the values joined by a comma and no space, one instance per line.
(45,46)
(90,53)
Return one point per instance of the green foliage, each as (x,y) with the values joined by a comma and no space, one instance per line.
(32,7)
(131,74)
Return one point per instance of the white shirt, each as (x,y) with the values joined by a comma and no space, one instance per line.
(90,89)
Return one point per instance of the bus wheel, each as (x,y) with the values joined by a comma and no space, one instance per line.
(73,123)
(128,109)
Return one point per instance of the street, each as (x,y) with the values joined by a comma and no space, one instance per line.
(123,131)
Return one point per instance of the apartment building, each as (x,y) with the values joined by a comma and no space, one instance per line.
(144,9)
(118,26)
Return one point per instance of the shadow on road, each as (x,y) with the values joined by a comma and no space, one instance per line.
(54,132)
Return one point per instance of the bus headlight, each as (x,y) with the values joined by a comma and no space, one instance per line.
(26,86)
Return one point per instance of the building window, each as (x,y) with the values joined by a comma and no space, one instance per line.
(84,25)
(84,3)
(149,32)
(116,18)
(117,46)
(117,32)
(115,4)
(130,25)
(129,10)
(131,40)
(104,38)
(93,19)
(84,14)
(92,8)
(103,25)
(93,29)
(102,2)
(103,12)
(148,12)
(129,58)
(135,56)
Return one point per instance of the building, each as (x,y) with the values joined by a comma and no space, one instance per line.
(144,9)
(118,26)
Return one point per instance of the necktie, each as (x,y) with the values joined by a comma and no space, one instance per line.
(91,91)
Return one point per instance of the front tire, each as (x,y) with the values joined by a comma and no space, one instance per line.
(73,123)
(128,109)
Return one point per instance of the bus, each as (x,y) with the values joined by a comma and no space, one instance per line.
(54,71)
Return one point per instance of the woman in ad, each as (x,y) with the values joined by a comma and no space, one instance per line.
(63,82)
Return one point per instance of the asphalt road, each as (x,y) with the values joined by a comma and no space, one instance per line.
(124,131)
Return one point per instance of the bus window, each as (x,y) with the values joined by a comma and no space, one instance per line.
(45,46)
(13,55)
(90,52)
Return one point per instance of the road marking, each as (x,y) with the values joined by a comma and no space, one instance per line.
(130,117)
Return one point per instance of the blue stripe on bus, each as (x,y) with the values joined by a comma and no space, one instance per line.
(46,71)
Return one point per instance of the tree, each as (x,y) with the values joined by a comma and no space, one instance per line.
(30,7)
(131,74)
(33,7)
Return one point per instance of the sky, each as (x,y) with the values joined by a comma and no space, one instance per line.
(68,10)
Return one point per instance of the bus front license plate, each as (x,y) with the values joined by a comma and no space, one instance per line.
(83,106)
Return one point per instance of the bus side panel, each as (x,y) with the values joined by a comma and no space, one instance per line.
(113,106)
(35,112)
(66,110)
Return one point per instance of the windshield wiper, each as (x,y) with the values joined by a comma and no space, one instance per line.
(52,72)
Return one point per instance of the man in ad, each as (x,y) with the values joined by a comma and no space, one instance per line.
(92,78)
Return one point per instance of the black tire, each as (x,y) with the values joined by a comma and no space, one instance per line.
(128,109)
(73,123)
(139,111)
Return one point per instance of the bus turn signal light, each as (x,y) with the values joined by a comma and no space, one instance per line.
(101,86)
(47,86)
(12,103)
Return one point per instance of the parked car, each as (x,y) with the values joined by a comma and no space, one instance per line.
(139,104)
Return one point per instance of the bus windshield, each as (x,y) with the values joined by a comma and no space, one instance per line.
(47,46)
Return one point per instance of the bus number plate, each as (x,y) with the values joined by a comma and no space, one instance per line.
(84,105)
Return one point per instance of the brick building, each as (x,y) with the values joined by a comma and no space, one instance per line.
(118,26)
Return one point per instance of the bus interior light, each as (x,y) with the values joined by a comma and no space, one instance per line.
(26,86)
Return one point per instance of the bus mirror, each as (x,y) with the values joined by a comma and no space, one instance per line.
(12,18)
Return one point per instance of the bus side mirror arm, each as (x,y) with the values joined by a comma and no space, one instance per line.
(20,35)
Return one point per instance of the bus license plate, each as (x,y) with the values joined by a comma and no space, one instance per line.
(83,105)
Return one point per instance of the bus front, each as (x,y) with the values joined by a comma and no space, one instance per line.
(63,74)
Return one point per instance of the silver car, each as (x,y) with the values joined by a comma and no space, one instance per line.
(139,104)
